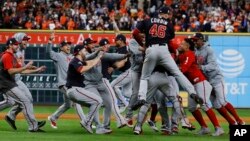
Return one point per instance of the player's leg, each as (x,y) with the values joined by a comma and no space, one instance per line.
(82,96)
(62,109)
(204,89)
(7,102)
(93,89)
(135,88)
(149,64)
(192,107)
(111,101)
(15,110)
(169,64)
(27,107)
(118,83)
(219,90)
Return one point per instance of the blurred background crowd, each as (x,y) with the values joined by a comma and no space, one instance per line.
(187,15)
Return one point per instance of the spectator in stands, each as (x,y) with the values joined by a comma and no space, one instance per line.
(188,16)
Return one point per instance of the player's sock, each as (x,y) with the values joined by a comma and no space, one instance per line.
(232,111)
(224,113)
(154,112)
(211,115)
(198,116)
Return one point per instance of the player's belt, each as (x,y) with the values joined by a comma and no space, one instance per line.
(161,44)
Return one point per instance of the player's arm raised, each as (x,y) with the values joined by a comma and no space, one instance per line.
(91,63)
(53,55)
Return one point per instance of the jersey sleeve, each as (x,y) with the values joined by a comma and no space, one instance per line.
(52,54)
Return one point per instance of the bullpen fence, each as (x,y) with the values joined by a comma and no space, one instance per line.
(232,52)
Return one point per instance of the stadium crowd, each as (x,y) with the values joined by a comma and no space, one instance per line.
(188,15)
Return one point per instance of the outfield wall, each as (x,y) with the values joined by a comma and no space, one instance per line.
(232,52)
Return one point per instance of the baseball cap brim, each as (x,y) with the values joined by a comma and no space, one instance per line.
(26,38)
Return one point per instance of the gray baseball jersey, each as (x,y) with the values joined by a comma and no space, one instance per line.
(207,61)
(95,83)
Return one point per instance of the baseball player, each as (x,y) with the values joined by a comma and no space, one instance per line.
(75,85)
(188,66)
(95,83)
(22,39)
(159,80)
(123,81)
(10,66)
(61,60)
(207,62)
(158,32)
(136,65)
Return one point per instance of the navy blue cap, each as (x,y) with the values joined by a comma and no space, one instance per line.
(103,42)
(12,41)
(198,35)
(78,48)
(120,37)
(88,41)
(164,10)
(63,43)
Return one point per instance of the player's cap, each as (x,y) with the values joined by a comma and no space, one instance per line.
(103,42)
(78,48)
(190,42)
(63,43)
(197,36)
(12,41)
(164,10)
(120,37)
(88,41)
(26,38)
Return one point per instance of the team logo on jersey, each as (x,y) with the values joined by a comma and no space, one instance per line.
(231,63)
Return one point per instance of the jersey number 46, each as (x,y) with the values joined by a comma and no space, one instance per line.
(158,31)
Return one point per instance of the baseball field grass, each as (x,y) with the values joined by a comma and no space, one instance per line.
(69,129)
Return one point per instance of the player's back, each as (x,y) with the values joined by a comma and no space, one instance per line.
(157,30)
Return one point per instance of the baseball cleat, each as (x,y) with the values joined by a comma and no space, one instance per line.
(241,122)
(37,131)
(103,131)
(203,131)
(138,104)
(41,123)
(218,131)
(52,123)
(137,130)
(10,122)
(175,130)
(152,125)
(86,127)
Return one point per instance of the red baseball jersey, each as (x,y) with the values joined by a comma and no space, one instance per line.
(189,67)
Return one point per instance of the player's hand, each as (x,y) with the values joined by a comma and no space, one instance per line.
(110,70)
(41,69)
(33,67)
(52,36)
(29,65)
